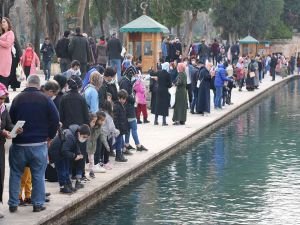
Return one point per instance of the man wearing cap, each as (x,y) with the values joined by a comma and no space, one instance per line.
(203,51)
(114,49)
(30,148)
(62,52)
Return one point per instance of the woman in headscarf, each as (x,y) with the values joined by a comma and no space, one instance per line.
(6,126)
(162,103)
(181,105)
(240,71)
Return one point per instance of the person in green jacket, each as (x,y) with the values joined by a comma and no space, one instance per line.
(181,105)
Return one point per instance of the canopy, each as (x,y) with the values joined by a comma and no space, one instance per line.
(248,40)
(144,24)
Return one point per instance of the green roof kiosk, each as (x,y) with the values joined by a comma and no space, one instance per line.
(248,46)
(143,40)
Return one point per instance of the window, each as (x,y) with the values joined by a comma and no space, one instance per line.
(148,48)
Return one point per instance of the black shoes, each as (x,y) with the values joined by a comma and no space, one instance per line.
(13,209)
(139,122)
(66,190)
(155,123)
(47,194)
(129,147)
(38,208)
(121,158)
(141,148)
(78,185)
(146,121)
(165,124)
(92,175)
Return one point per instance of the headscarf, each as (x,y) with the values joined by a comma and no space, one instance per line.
(165,66)
(131,71)
(3,92)
(181,67)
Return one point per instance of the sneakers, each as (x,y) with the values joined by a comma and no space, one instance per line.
(98,169)
(129,147)
(92,175)
(107,166)
(121,158)
(127,152)
(38,208)
(66,189)
(78,185)
(71,187)
(112,153)
(141,148)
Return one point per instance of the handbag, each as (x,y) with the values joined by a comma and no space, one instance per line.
(252,74)
(20,73)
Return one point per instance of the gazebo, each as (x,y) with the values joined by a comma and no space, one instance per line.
(143,40)
(248,46)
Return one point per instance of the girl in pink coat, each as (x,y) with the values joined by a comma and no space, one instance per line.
(7,39)
(140,96)
(30,61)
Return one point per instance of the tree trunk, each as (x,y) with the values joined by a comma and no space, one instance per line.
(43,18)
(53,18)
(80,13)
(37,27)
(6,6)
(86,19)
(178,30)
(190,31)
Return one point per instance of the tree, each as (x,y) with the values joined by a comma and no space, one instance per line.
(53,22)
(5,6)
(80,13)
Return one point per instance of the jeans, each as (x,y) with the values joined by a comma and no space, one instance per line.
(119,145)
(218,99)
(36,158)
(47,69)
(133,129)
(64,64)
(260,75)
(195,99)
(116,65)
(63,171)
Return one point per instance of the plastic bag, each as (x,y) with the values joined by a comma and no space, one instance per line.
(20,73)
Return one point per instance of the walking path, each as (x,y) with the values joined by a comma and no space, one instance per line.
(159,140)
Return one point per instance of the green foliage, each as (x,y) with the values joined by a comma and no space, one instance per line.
(279,31)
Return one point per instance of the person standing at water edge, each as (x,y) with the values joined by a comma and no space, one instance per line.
(30,148)
(48,52)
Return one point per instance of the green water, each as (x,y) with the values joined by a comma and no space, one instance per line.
(247,172)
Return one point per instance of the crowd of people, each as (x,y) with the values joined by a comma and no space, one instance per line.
(84,116)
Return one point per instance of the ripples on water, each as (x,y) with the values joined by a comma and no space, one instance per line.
(247,172)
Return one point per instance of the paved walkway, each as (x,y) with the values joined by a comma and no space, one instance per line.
(156,138)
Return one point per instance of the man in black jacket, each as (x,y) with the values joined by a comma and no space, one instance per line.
(273,64)
(79,50)
(62,52)
(114,49)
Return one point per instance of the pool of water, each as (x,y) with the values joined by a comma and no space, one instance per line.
(247,172)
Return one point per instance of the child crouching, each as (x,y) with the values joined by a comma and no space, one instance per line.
(96,122)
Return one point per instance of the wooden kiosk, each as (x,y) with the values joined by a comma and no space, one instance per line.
(143,40)
(248,46)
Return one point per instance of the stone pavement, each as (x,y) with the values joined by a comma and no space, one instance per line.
(156,138)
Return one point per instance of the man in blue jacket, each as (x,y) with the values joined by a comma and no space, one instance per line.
(30,148)
(219,83)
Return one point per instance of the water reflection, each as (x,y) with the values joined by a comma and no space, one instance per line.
(247,172)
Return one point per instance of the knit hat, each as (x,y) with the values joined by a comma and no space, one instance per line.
(3,90)
(74,82)
(131,71)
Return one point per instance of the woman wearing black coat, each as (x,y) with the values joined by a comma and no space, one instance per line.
(203,103)
(162,95)
(16,54)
